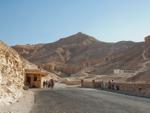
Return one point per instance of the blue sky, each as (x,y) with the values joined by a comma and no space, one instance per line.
(44,21)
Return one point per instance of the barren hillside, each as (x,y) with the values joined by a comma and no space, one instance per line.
(74,53)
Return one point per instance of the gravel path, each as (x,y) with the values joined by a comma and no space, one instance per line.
(76,100)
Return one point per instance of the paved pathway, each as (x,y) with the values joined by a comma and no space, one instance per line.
(76,100)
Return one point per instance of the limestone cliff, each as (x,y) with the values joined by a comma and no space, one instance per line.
(11,75)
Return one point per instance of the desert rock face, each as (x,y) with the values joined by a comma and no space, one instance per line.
(11,75)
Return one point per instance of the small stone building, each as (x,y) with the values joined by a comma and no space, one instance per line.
(119,71)
(34,78)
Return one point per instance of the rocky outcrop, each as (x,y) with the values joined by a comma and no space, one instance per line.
(11,75)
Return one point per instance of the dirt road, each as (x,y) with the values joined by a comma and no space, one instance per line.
(76,100)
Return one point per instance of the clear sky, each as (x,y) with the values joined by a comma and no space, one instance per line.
(43,21)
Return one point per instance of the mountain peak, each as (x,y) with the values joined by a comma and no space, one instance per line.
(80,33)
(77,39)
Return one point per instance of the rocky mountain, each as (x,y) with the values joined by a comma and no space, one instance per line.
(80,51)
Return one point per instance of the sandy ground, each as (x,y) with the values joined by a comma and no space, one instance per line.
(23,105)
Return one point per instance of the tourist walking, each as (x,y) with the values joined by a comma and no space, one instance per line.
(52,83)
(109,85)
(49,84)
(44,84)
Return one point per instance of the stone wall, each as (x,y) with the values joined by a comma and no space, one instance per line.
(140,89)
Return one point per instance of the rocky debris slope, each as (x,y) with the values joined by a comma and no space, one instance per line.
(11,75)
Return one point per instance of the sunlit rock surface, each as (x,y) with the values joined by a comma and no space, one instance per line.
(11,75)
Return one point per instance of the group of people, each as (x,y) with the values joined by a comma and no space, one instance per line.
(48,83)
(109,85)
